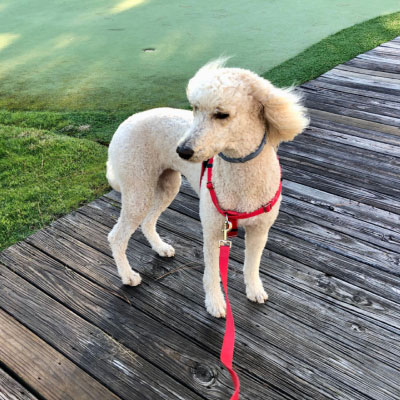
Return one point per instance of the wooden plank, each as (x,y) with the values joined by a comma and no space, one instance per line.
(43,368)
(296,249)
(373,171)
(384,115)
(185,361)
(374,65)
(337,181)
(195,284)
(360,123)
(362,85)
(337,127)
(365,71)
(369,250)
(381,51)
(321,88)
(352,141)
(123,371)
(344,206)
(65,246)
(344,87)
(10,389)
(392,45)
(325,216)
(377,81)
(355,159)
(354,111)
(380,58)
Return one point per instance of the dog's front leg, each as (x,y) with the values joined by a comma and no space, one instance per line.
(256,237)
(215,302)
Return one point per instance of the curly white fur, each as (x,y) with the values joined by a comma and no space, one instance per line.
(143,164)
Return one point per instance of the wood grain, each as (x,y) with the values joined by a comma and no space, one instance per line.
(10,389)
(44,369)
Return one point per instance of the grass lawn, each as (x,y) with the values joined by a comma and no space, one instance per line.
(53,161)
(132,54)
(43,176)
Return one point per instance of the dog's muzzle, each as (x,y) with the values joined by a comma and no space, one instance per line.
(184,152)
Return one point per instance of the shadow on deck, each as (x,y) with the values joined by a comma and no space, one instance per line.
(331,329)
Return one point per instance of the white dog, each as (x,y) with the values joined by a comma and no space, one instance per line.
(233,109)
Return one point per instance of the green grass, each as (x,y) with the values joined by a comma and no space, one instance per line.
(98,126)
(89,55)
(50,163)
(43,176)
(335,49)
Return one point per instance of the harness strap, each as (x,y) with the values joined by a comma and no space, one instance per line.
(234,216)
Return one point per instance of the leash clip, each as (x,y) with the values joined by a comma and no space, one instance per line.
(226,228)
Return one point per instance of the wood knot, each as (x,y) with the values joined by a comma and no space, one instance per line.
(203,374)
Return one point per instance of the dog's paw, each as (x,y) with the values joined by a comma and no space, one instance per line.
(258,294)
(165,250)
(216,307)
(132,278)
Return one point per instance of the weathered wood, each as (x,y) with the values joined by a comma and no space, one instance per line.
(133,329)
(308,163)
(376,80)
(303,253)
(44,369)
(312,88)
(343,87)
(342,105)
(357,122)
(123,371)
(365,71)
(237,306)
(252,358)
(337,183)
(61,244)
(384,58)
(359,213)
(10,389)
(355,132)
(378,281)
(321,145)
(351,140)
(374,65)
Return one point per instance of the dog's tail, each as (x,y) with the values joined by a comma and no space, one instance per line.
(111,177)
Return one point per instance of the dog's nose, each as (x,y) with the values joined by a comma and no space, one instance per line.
(184,152)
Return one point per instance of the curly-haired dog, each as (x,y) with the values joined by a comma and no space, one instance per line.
(233,109)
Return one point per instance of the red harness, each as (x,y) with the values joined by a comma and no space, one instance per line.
(228,344)
(233,216)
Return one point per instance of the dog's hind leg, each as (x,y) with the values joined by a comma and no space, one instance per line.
(134,208)
(256,237)
(167,188)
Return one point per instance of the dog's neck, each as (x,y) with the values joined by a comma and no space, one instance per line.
(245,147)
(246,186)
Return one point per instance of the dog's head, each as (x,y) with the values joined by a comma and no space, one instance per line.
(232,108)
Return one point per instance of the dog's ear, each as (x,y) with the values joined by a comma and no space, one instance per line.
(284,115)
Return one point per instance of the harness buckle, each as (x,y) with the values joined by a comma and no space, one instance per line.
(267,208)
(226,228)
(210,185)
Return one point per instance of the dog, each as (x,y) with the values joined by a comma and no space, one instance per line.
(233,112)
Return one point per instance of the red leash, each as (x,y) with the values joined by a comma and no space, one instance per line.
(228,344)
(230,229)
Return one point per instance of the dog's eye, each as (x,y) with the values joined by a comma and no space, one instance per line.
(195,108)
(220,115)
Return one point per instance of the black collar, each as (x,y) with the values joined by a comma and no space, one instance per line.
(249,157)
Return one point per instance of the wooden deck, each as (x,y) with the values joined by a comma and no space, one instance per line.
(331,329)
